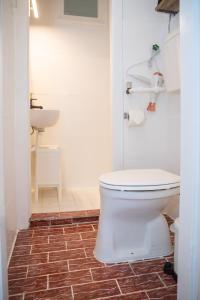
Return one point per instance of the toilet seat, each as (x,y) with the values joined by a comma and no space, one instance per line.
(140,180)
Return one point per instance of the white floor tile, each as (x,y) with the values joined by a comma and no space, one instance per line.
(73,200)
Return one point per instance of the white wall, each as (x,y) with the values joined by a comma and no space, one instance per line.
(156,144)
(8,217)
(14,103)
(9,123)
(70,72)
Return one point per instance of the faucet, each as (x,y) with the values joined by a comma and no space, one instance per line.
(34,106)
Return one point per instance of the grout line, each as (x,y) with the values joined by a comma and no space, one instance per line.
(161,280)
(132,268)
(72,292)
(19,266)
(91,274)
(27,271)
(85,253)
(118,286)
(68,265)
(93,227)
(146,293)
(34,277)
(16,295)
(47,281)
(66,272)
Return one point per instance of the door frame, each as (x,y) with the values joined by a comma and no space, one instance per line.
(189,237)
(3,248)
(22,107)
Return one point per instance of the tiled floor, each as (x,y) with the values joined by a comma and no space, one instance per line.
(57,263)
(73,200)
(64,218)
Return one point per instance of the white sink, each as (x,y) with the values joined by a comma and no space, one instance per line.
(41,118)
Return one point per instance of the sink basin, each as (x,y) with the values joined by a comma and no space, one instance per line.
(42,118)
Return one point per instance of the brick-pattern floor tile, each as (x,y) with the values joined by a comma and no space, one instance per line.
(139,283)
(69,278)
(117,271)
(95,290)
(48,247)
(54,294)
(22,250)
(81,244)
(132,296)
(65,237)
(163,294)
(88,235)
(49,268)
(167,279)
(32,259)
(64,255)
(80,228)
(16,297)
(57,263)
(27,285)
(84,263)
(38,223)
(17,273)
(31,241)
(89,252)
(150,266)
(25,233)
(46,232)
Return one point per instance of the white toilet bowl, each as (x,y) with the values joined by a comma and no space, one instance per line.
(131,224)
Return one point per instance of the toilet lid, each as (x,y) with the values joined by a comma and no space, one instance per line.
(140,180)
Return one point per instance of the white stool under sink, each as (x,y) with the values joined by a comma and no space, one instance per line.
(48,169)
(131,225)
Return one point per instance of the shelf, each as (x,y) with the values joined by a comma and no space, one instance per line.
(168,6)
(154,90)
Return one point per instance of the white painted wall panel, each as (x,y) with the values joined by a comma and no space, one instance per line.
(156,143)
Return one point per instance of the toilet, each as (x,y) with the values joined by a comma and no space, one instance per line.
(131,224)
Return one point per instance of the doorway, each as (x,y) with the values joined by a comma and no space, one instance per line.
(70,72)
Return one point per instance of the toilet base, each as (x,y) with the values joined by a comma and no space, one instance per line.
(131,230)
(156,243)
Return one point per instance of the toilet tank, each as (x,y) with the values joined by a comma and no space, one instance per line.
(172,61)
